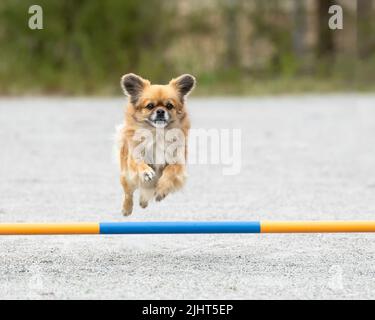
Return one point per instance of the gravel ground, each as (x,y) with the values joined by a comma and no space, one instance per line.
(308,157)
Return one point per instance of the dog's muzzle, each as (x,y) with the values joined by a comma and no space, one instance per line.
(159,118)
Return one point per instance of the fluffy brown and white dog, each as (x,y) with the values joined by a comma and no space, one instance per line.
(153,112)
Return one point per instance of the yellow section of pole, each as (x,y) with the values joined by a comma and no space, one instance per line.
(48,228)
(316,226)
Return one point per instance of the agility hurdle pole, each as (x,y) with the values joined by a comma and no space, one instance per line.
(186,227)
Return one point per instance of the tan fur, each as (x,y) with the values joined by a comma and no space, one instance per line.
(153,181)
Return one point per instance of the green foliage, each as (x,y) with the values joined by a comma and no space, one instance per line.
(86,45)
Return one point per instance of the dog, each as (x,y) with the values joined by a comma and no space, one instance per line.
(156,123)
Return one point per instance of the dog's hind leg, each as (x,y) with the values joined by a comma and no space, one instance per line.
(127,206)
(145,195)
(172,179)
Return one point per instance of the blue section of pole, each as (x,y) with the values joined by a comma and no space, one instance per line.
(176,227)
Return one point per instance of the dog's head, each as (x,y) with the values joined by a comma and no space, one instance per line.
(157,105)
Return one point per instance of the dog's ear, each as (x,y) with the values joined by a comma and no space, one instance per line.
(133,86)
(184,84)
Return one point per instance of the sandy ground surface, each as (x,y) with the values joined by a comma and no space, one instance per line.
(302,158)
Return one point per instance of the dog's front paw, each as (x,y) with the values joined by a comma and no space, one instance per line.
(147,175)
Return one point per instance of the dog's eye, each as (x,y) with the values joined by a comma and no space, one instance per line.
(150,106)
(169,106)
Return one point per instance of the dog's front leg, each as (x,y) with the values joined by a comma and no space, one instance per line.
(172,179)
(142,170)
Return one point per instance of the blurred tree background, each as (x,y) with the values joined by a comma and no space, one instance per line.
(232,46)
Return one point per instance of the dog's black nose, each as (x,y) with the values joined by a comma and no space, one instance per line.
(160,113)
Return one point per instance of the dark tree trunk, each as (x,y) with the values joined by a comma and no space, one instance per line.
(299,30)
(365,30)
(325,48)
(231,11)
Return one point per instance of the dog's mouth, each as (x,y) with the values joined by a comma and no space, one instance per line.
(159,118)
(158,123)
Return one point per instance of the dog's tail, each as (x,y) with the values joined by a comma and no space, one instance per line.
(119,143)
